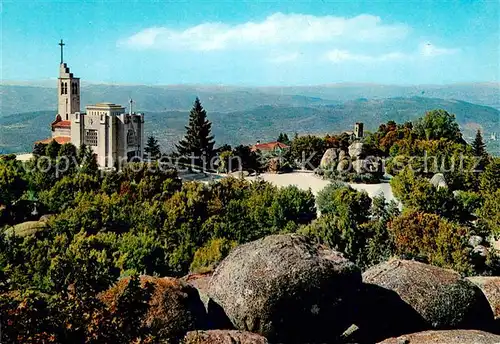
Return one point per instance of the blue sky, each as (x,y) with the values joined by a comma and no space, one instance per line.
(253,42)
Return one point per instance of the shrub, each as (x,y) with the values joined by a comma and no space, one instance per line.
(206,258)
(429,237)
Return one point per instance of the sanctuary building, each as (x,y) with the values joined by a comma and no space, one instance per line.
(112,133)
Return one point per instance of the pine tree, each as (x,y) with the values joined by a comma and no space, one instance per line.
(198,141)
(478,145)
(88,162)
(52,149)
(152,148)
(39,149)
(283,138)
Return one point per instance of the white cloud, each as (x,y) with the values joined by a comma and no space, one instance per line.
(276,29)
(338,56)
(283,58)
(430,50)
(425,50)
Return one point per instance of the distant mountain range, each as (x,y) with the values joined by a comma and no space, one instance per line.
(17,99)
(245,115)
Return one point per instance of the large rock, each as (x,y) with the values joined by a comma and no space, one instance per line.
(287,289)
(359,166)
(174,307)
(356,150)
(490,286)
(475,240)
(216,318)
(404,296)
(223,337)
(329,158)
(446,337)
(439,181)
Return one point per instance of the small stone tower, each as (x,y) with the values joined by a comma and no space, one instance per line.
(358,130)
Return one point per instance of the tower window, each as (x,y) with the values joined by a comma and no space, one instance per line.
(62,87)
(90,138)
(131,140)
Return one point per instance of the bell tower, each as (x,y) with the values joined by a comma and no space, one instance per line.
(68,90)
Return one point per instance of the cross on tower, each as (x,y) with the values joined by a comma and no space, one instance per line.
(61,44)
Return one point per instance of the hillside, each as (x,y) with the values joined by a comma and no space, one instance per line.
(17,98)
(17,132)
(151,98)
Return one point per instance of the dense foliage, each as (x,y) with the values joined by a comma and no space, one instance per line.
(70,231)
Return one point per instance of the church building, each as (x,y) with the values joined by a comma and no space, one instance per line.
(113,134)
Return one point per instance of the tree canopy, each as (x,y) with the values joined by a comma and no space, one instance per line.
(152,148)
(198,141)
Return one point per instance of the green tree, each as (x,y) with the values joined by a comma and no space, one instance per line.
(88,161)
(478,146)
(152,148)
(62,195)
(342,225)
(437,124)
(489,179)
(52,149)
(68,150)
(206,258)
(226,163)
(419,194)
(86,266)
(283,138)
(12,183)
(39,149)
(489,214)
(249,159)
(380,243)
(308,150)
(67,159)
(428,236)
(342,200)
(198,141)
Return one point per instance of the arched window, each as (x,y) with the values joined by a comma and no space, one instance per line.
(131,141)
(65,88)
(62,87)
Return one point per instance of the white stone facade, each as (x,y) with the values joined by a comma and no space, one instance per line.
(114,135)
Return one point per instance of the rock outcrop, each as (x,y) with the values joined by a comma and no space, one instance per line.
(490,286)
(174,307)
(404,296)
(223,337)
(329,158)
(216,318)
(287,289)
(446,337)
(356,150)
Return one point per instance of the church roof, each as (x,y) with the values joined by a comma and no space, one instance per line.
(269,146)
(59,139)
(105,105)
(62,124)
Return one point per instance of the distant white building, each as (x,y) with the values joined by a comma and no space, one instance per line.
(112,133)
